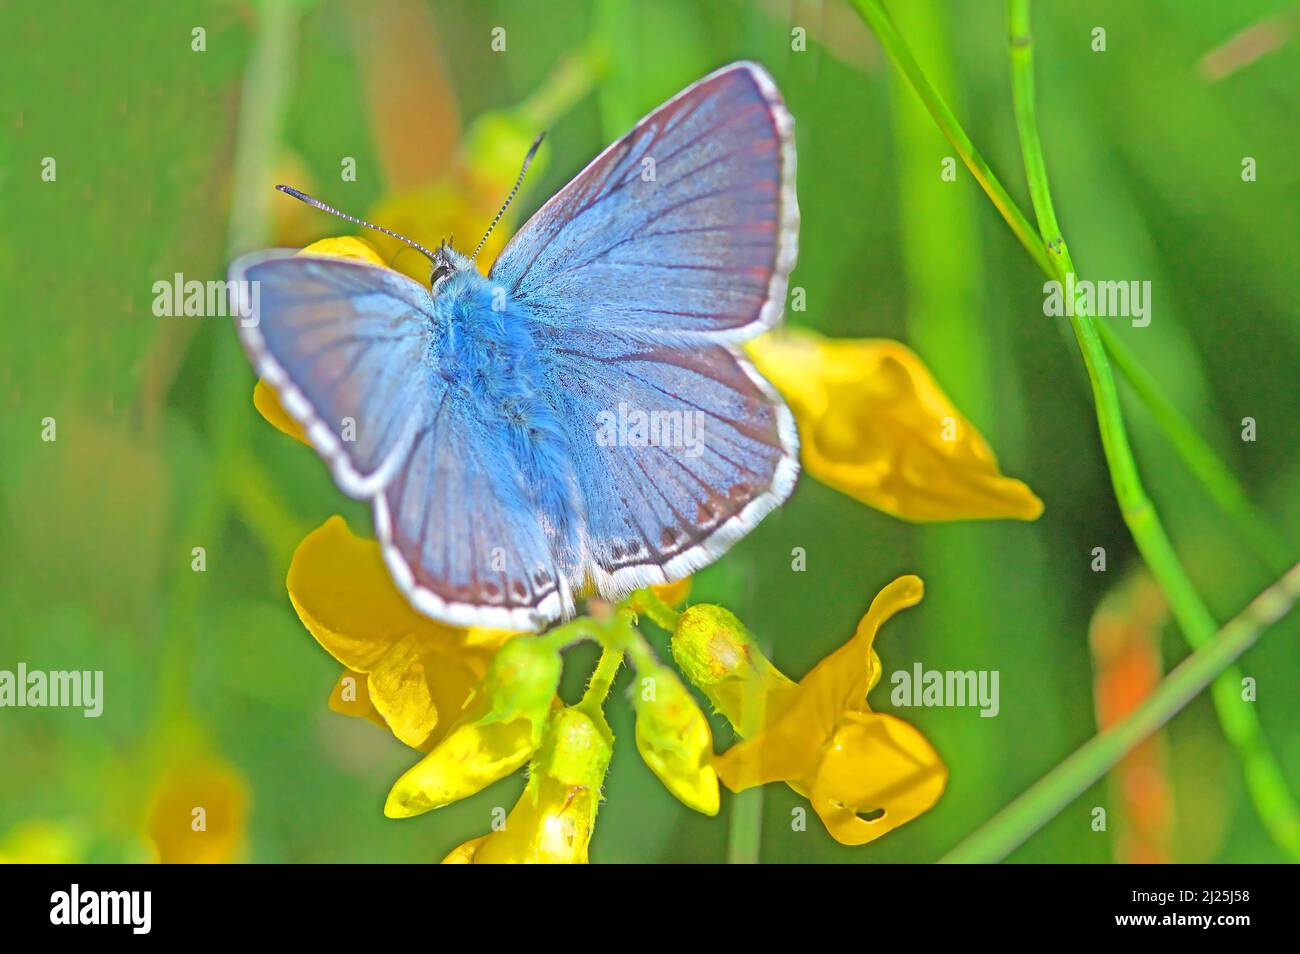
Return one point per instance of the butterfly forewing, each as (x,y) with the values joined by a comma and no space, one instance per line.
(686,227)
(338,340)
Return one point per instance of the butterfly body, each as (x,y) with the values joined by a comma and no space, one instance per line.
(579,418)
(496,360)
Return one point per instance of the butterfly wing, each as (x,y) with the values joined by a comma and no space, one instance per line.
(691,449)
(677,240)
(348,347)
(683,230)
(459,532)
(338,340)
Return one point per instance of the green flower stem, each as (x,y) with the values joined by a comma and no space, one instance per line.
(1264,778)
(1054,791)
(576,631)
(602,678)
(1219,482)
(878,20)
(617,636)
(745,832)
(1199,457)
(624,635)
(648,601)
(745,821)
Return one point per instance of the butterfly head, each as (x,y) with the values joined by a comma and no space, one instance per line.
(446,260)
(446,263)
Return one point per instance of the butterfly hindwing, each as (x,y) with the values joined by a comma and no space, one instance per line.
(459,531)
(679,451)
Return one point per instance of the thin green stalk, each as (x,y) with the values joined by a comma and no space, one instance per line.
(745,820)
(745,828)
(1219,482)
(1264,779)
(1001,835)
(1199,457)
(878,20)
(647,601)
(602,678)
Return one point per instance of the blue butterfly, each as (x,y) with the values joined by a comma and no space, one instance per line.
(580,417)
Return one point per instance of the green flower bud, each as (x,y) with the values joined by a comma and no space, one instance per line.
(575,750)
(711,645)
(522,679)
(716,652)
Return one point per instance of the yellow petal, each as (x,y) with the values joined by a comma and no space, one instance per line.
(351,697)
(199,814)
(346,246)
(783,753)
(464,854)
(418,669)
(471,757)
(790,744)
(875,425)
(674,594)
(878,773)
(551,824)
(340,586)
(842,680)
(268,405)
(265,399)
(406,683)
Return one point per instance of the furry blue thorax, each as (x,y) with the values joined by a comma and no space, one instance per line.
(485,347)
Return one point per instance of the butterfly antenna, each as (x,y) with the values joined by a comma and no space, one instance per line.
(532,151)
(316,203)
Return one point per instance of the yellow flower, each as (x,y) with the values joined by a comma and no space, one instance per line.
(864,772)
(875,425)
(199,814)
(553,820)
(405,670)
(672,594)
(495,734)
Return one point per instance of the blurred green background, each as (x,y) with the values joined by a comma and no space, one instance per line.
(165,156)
